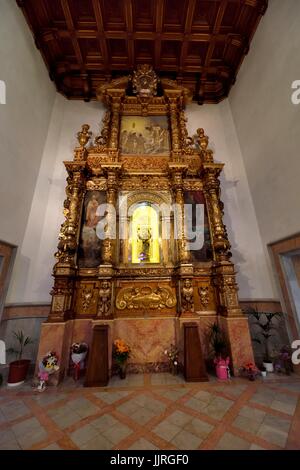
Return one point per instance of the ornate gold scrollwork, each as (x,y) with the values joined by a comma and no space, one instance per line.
(145,298)
(189,167)
(144,81)
(86,297)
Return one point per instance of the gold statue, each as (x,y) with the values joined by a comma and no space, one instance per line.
(144,234)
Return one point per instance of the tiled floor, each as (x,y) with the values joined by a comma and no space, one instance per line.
(158,411)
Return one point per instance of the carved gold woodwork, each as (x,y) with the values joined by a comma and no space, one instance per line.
(145,272)
(146,181)
(145,163)
(144,81)
(98,166)
(145,297)
(69,229)
(187,296)
(96,184)
(204,295)
(87,299)
(104,302)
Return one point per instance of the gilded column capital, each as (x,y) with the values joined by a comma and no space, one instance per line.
(225,280)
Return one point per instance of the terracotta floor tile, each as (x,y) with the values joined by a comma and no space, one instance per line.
(273,435)
(153,411)
(198,428)
(142,444)
(184,440)
(97,443)
(231,442)
(83,435)
(179,418)
(247,424)
(142,415)
(117,433)
(166,430)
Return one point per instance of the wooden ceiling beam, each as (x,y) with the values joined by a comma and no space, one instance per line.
(187,30)
(129,28)
(71,29)
(198,47)
(100,35)
(159,17)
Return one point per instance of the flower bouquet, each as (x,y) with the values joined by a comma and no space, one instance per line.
(121,353)
(250,370)
(47,366)
(173,355)
(78,354)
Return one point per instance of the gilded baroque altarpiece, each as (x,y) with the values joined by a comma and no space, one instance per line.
(143,158)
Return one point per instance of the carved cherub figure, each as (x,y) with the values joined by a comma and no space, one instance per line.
(104,299)
(187,296)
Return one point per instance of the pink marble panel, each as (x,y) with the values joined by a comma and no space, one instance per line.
(148,338)
(240,341)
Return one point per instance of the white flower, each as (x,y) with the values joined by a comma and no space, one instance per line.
(175,363)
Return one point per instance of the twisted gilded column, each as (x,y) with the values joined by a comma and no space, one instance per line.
(113,143)
(65,268)
(109,243)
(173,97)
(176,171)
(224,268)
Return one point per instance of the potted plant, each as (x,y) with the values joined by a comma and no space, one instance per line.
(265,322)
(263,371)
(18,369)
(218,345)
(121,353)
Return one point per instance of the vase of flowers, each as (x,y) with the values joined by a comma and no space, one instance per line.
(47,366)
(78,355)
(173,354)
(250,370)
(222,367)
(121,354)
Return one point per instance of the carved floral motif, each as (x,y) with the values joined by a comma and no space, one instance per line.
(145,297)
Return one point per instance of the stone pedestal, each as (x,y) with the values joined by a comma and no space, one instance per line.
(238,335)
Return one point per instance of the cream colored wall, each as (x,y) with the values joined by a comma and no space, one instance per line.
(248,254)
(268,124)
(24,120)
(32,281)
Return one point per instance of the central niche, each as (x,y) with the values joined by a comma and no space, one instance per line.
(144,238)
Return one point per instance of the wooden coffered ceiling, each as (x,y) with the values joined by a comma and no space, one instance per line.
(200,43)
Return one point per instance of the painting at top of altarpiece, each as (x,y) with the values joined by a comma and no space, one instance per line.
(198,225)
(145,135)
(89,252)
